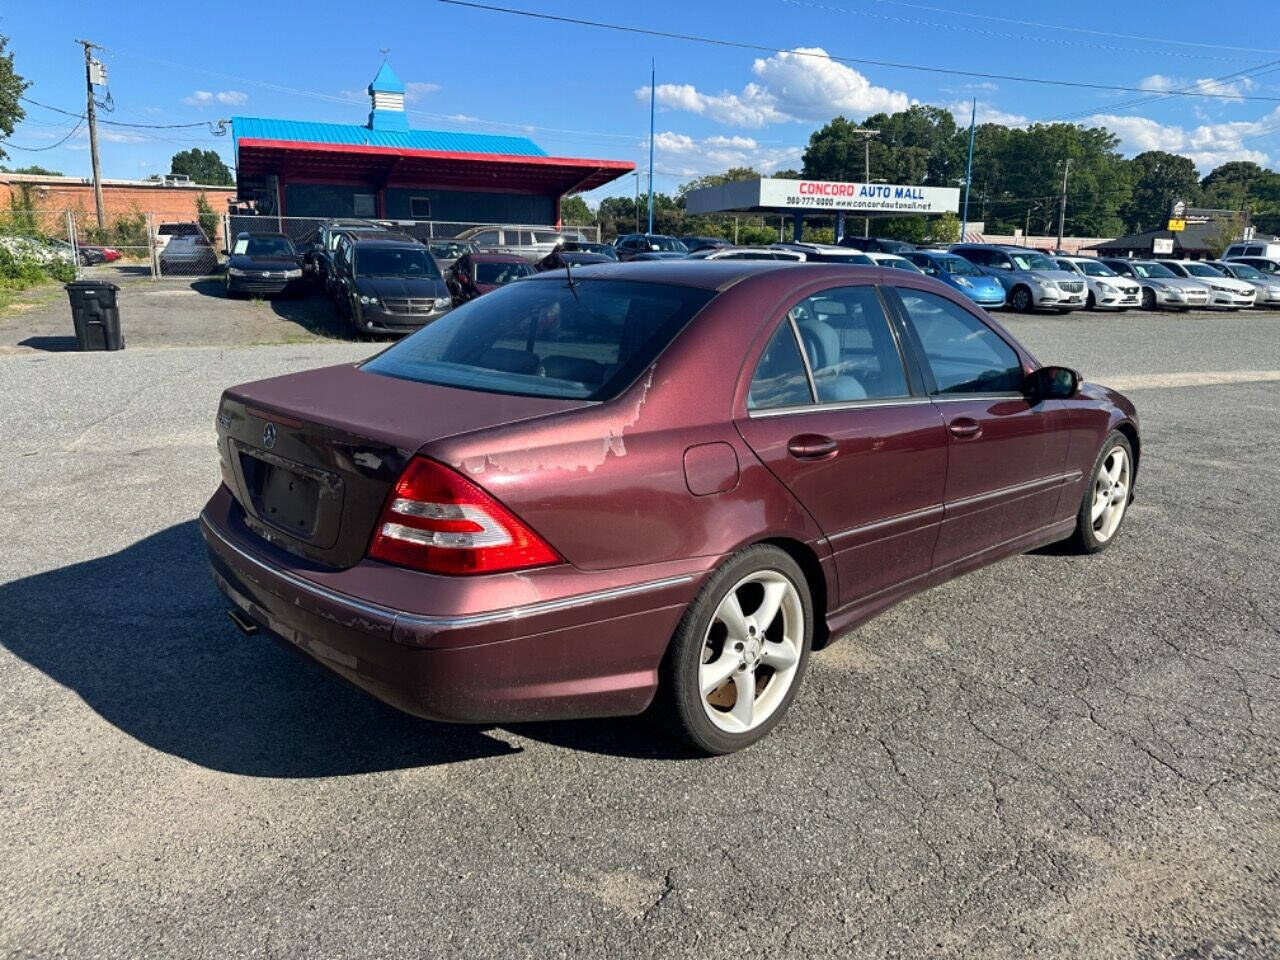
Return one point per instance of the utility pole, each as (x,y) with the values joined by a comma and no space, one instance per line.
(866,169)
(637,176)
(968,170)
(91,114)
(1062,202)
(653,112)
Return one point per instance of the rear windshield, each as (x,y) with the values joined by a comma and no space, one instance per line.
(543,339)
(450,250)
(501,272)
(824,257)
(406,261)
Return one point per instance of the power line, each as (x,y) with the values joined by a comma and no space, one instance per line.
(953,27)
(762,48)
(1083,30)
(74,130)
(120,123)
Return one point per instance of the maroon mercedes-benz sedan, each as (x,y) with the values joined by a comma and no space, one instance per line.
(650,485)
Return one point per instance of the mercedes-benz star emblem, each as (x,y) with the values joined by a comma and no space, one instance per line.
(269,435)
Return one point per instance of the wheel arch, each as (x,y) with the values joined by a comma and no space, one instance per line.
(815,579)
(1131,434)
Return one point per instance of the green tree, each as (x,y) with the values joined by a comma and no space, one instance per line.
(717,179)
(33,169)
(787,174)
(207,218)
(1159,178)
(202,166)
(1226,231)
(11,87)
(945,229)
(575,210)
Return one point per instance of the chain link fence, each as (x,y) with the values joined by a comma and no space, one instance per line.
(137,245)
(518,237)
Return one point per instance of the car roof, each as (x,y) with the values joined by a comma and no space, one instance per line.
(498,258)
(261,233)
(363,243)
(704,274)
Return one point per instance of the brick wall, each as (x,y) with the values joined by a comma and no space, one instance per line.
(52,196)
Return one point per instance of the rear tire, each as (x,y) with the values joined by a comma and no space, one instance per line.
(1106,498)
(750,628)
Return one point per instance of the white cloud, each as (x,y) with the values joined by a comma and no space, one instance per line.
(416,90)
(1160,83)
(463,118)
(204,98)
(1208,144)
(987,113)
(804,84)
(685,156)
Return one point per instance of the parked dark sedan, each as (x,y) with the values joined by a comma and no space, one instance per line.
(590,246)
(478,273)
(557,259)
(262,263)
(388,285)
(665,483)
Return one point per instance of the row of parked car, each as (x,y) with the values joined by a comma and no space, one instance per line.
(383,282)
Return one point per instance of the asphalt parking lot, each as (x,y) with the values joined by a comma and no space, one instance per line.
(1054,757)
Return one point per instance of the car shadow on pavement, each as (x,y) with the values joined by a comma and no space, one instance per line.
(142,636)
(307,307)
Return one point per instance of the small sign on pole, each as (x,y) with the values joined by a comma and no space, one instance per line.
(1177,225)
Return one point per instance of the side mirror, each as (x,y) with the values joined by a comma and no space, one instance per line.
(1053,383)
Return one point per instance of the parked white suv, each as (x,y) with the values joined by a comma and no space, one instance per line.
(1254,248)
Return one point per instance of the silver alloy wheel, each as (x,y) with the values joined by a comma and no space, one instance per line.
(1110,494)
(750,651)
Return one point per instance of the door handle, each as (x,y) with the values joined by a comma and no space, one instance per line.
(965,428)
(812,446)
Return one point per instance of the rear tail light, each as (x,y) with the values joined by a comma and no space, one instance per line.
(439,521)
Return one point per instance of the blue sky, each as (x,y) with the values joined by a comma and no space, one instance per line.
(582,92)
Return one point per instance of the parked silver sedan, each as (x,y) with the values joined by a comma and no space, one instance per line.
(1161,288)
(1107,289)
(1268,286)
(1225,293)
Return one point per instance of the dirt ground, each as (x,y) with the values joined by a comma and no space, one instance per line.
(172,313)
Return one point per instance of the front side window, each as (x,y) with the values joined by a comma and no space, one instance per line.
(545,339)
(964,354)
(780,379)
(850,347)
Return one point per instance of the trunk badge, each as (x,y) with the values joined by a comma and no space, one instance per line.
(269,435)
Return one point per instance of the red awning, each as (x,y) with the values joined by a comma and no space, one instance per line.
(391,166)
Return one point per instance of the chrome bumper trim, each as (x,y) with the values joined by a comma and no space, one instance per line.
(440,622)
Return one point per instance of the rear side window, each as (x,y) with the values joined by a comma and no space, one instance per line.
(964,354)
(849,345)
(541,338)
(780,379)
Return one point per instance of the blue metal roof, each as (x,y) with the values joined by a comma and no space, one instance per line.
(304,131)
(386,81)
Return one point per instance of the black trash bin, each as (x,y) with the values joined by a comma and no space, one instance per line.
(95,314)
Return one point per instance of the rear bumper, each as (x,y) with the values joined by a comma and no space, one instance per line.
(589,653)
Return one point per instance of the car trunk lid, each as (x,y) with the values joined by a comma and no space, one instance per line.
(313,455)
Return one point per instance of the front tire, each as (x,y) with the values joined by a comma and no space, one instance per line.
(1106,497)
(1020,300)
(738,654)
(1148,299)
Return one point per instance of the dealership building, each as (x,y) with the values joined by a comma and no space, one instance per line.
(384,169)
(827,199)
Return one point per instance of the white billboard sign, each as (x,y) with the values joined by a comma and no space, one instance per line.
(1162,245)
(872,197)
